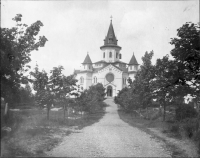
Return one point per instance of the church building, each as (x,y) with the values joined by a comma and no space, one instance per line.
(110,70)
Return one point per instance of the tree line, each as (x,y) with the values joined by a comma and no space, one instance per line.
(17,43)
(169,80)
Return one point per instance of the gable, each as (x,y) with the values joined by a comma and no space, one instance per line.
(110,68)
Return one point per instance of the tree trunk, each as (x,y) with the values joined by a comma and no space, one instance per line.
(6,114)
(64,111)
(48,109)
(164,110)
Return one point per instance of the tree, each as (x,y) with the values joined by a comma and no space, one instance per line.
(187,54)
(26,95)
(16,45)
(162,85)
(53,88)
(141,84)
(90,98)
(44,95)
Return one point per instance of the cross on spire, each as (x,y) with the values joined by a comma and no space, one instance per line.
(111,17)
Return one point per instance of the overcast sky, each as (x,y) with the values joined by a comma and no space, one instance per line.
(74,28)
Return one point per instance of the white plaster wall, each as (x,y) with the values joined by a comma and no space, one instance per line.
(125,75)
(107,51)
(88,80)
(78,78)
(116,84)
(134,68)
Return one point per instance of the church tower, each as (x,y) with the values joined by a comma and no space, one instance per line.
(87,63)
(110,71)
(110,49)
(132,67)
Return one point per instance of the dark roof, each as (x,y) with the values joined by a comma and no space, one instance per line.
(110,39)
(124,69)
(101,61)
(87,60)
(97,69)
(133,61)
(76,71)
(119,62)
(132,72)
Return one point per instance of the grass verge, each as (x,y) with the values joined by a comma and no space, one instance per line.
(32,134)
(159,129)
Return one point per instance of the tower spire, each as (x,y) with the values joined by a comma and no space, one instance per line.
(110,39)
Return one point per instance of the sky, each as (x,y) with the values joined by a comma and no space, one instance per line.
(75,28)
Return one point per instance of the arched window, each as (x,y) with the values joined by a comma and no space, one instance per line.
(103,54)
(110,54)
(81,80)
(95,79)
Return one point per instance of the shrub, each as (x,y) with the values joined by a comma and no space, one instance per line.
(189,127)
(174,128)
(185,111)
(197,136)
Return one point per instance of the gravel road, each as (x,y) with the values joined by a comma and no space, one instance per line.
(110,137)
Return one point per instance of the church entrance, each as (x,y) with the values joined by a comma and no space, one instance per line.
(109,91)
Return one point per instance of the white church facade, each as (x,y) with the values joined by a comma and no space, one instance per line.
(110,70)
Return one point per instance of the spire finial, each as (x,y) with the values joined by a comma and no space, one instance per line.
(111,18)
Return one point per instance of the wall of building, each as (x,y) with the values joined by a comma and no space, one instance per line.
(107,51)
(116,84)
(125,77)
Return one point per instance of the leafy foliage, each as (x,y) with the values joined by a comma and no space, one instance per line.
(185,111)
(16,45)
(89,99)
(143,78)
(187,53)
(168,81)
(55,88)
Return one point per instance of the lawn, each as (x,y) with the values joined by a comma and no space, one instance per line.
(32,134)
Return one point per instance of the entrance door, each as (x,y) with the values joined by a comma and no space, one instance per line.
(109,91)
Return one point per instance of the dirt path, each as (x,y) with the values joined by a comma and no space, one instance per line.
(110,137)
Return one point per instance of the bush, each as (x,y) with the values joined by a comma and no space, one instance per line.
(175,128)
(189,127)
(185,111)
(90,100)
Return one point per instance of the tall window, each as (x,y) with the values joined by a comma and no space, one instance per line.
(81,80)
(120,56)
(95,79)
(110,54)
(131,67)
(117,55)
(103,54)
(124,80)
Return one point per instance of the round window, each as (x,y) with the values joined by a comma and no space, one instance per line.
(109,77)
